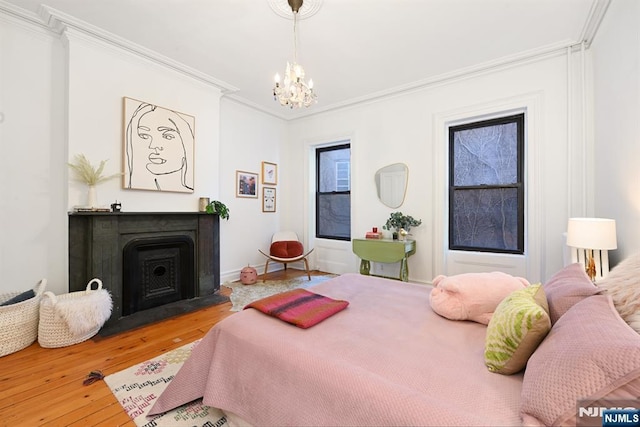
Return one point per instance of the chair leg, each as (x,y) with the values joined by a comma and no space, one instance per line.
(306,266)
(266,268)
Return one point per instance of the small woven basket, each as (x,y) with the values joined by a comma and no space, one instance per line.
(53,330)
(19,321)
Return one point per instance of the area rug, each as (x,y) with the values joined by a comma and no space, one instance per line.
(138,387)
(242,295)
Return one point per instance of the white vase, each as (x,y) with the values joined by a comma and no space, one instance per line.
(92,197)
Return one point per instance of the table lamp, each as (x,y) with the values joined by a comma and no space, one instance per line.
(590,240)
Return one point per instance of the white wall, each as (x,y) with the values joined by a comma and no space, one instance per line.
(616,57)
(401,129)
(100,75)
(229,137)
(61,96)
(249,138)
(33,187)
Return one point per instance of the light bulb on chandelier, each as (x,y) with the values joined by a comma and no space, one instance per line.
(294,92)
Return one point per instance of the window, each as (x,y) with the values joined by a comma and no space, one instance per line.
(333,192)
(486,187)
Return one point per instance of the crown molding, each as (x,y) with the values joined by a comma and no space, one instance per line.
(59,22)
(51,19)
(21,16)
(591,26)
(519,59)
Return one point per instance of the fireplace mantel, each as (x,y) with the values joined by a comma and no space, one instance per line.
(97,239)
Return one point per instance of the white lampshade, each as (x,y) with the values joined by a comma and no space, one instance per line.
(592,233)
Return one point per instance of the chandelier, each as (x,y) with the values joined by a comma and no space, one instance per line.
(294,92)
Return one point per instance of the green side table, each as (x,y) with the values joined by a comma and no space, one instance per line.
(384,250)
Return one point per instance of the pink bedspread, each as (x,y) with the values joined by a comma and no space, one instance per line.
(386,360)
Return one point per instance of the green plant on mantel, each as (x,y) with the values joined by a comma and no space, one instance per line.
(398,220)
(89,174)
(217,207)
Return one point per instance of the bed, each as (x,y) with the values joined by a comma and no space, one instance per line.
(387,359)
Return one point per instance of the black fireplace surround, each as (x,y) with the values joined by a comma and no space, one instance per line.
(178,254)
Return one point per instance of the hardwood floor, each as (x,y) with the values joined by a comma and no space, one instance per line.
(40,386)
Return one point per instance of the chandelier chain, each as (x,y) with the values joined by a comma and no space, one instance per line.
(295,92)
(295,37)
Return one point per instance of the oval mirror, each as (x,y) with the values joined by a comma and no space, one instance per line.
(391,183)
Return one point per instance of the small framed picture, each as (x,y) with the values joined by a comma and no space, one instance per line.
(269,173)
(268,199)
(246,184)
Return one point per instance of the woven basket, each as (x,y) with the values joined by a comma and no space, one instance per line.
(54,331)
(19,322)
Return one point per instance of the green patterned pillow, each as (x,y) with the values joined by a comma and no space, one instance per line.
(517,327)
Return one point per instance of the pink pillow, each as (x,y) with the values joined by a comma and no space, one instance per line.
(566,288)
(590,354)
(286,249)
(472,296)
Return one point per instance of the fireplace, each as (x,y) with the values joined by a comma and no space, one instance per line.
(155,264)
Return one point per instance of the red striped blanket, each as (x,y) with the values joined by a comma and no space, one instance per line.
(299,307)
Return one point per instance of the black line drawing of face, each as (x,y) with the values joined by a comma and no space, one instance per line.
(157,143)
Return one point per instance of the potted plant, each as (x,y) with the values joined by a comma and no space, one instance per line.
(401,224)
(90,175)
(217,207)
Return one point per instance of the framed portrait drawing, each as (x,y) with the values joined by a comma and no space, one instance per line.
(159,146)
(269,173)
(246,184)
(268,199)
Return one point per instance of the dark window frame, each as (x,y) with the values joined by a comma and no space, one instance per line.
(319,194)
(519,185)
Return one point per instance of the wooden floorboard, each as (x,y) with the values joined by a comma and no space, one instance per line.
(40,386)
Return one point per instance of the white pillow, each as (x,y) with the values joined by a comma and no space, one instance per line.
(623,284)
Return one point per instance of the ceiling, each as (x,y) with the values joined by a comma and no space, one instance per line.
(354,50)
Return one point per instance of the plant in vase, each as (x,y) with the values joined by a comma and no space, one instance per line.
(217,207)
(87,173)
(401,224)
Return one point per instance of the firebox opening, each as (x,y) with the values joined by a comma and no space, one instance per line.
(157,271)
